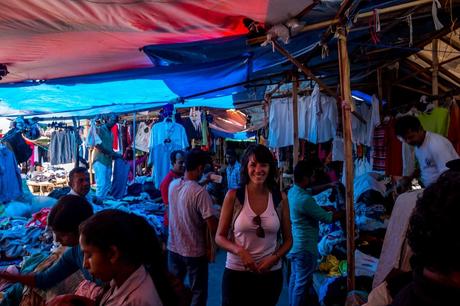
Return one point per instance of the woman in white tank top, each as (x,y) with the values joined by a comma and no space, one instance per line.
(249,230)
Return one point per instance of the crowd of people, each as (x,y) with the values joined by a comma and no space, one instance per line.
(258,226)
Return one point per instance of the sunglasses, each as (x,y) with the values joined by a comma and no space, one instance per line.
(260,230)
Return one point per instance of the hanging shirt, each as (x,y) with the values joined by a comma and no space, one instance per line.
(165,137)
(433,155)
(10,176)
(322,117)
(436,121)
(281,123)
(142,137)
(107,140)
(453,134)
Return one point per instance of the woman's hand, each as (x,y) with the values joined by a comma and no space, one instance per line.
(267,263)
(248,262)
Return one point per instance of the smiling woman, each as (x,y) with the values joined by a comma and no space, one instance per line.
(253,219)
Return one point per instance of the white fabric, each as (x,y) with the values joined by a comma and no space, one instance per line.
(395,248)
(367,181)
(408,158)
(338,153)
(137,290)
(245,235)
(322,117)
(103,175)
(433,155)
(93,138)
(143,137)
(160,149)
(365,265)
(281,123)
(379,296)
(363,133)
(303,109)
(189,206)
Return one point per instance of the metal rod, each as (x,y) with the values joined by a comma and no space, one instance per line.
(134,146)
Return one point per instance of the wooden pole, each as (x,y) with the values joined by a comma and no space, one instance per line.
(435,88)
(295,114)
(345,89)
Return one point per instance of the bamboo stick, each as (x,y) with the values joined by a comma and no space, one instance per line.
(344,68)
(435,62)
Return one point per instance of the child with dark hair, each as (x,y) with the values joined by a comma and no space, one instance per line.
(64,220)
(123,248)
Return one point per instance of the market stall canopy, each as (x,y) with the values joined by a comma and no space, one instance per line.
(122,56)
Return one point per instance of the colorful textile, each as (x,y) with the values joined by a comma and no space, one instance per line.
(453,134)
(436,121)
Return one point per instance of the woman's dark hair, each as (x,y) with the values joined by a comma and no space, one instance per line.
(135,239)
(433,229)
(68,213)
(262,155)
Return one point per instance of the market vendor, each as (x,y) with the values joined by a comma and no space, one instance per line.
(103,156)
(432,150)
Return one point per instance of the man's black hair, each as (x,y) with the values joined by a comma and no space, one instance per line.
(172,156)
(75,171)
(195,158)
(68,213)
(406,124)
(303,169)
(230,152)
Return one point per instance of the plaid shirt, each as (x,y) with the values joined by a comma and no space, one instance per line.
(233,176)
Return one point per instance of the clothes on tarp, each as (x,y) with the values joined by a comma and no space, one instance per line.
(166,137)
(10,176)
(62,147)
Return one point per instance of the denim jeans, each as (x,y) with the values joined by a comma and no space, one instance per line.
(103,175)
(197,270)
(302,266)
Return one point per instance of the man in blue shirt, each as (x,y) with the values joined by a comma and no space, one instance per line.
(305,217)
(233,169)
(64,220)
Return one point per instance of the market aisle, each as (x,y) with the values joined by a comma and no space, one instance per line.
(215,278)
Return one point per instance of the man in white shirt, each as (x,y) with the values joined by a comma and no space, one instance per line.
(432,150)
(190,215)
(79,182)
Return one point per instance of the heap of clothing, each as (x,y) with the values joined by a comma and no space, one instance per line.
(329,281)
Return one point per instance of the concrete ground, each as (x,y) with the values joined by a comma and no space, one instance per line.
(215,280)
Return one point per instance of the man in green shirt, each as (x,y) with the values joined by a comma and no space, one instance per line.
(305,217)
(103,156)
